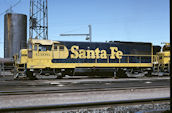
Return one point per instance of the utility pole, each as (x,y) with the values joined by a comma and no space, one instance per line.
(88,36)
(38,21)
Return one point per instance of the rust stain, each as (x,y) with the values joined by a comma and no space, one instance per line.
(9,29)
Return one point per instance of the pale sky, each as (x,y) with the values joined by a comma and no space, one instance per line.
(118,20)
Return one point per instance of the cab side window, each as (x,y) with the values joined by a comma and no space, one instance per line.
(55,46)
(45,47)
(48,48)
(61,48)
(35,47)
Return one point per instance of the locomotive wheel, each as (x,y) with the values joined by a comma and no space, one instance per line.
(30,75)
(121,74)
(149,74)
(59,76)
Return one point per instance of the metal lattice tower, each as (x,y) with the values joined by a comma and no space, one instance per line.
(38,22)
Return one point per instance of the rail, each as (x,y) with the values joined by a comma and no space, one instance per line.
(31,92)
(88,104)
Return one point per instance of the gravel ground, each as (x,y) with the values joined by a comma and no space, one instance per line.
(139,108)
(157,107)
(97,96)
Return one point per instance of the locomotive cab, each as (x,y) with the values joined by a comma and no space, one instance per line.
(39,56)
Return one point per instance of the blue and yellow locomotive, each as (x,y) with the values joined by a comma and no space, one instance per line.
(47,57)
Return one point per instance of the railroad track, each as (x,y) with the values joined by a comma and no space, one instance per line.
(88,104)
(30,92)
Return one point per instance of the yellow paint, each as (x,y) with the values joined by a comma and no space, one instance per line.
(163,57)
(94,54)
(74,65)
(115,53)
(23,56)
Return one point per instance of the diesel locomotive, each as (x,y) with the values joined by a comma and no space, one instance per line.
(115,58)
(161,64)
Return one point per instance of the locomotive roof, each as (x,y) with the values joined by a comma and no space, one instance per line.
(110,42)
(50,42)
(43,42)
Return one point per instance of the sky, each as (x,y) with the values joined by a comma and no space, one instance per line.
(116,20)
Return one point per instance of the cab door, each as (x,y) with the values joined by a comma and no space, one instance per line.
(35,51)
(56,54)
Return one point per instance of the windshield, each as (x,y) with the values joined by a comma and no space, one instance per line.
(166,48)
